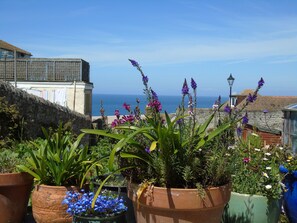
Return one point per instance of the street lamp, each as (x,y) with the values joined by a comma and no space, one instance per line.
(230,81)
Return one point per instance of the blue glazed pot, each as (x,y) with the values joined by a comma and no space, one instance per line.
(114,219)
(290,196)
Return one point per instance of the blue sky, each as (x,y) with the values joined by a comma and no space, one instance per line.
(171,40)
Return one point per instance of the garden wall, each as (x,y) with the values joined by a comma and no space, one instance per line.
(272,120)
(38,112)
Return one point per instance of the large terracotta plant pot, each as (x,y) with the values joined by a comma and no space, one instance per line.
(15,189)
(246,208)
(173,205)
(290,197)
(47,204)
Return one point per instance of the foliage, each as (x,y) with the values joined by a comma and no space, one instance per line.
(172,151)
(256,167)
(106,204)
(11,123)
(59,159)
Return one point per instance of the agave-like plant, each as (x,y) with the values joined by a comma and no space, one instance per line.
(59,159)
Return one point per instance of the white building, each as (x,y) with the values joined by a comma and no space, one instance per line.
(62,81)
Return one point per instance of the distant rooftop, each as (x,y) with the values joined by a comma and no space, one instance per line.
(7,46)
(270,103)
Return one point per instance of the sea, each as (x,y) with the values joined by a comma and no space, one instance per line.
(111,102)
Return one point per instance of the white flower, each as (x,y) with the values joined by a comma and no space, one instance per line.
(231,147)
(265,175)
(265,159)
(268,186)
(254,134)
(268,154)
(266,147)
(256,149)
(268,168)
(281,148)
(227,154)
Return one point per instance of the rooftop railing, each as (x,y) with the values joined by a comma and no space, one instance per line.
(44,69)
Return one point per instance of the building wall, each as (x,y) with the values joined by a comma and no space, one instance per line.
(68,94)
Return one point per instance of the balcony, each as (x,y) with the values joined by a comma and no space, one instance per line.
(44,70)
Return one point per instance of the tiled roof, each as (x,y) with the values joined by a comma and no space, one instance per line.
(8,46)
(270,103)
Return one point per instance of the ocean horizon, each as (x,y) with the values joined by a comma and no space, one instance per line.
(111,102)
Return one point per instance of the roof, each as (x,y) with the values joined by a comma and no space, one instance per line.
(292,107)
(270,103)
(8,46)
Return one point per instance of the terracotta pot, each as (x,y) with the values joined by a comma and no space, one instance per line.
(15,189)
(174,205)
(47,204)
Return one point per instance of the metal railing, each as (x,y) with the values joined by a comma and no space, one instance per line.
(44,69)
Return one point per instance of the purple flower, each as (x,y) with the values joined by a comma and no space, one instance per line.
(155,104)
(134,63)
(227,109)
(185,89)
(265,111)
(261,83)
(144,79)
(193,84)
(147,150)
(251,98)
(246,159)
(117,113)
(128,118)
(245,119)
(127,107)
(154,94)
(239,131)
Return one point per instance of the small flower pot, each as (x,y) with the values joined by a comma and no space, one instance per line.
(290,197)
(114,219)
(247,208)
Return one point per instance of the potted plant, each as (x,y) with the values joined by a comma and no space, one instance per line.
(117,184)
(289,171)
(58,164)
(15,186)
(256,189)
(174,175)
(108,207)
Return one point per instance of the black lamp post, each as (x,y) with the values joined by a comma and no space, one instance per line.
(230,81)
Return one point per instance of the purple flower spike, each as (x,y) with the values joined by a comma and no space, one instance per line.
(134,63)
(261,83)
(251,98)
(245,119)
(144,79)
(147,150)
(239,132)
(185,89)
(193,84)
(227,109)
(265,111)
(154,94)
(127,106)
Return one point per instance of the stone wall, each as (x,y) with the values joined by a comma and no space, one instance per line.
(271,120)
(38,112)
